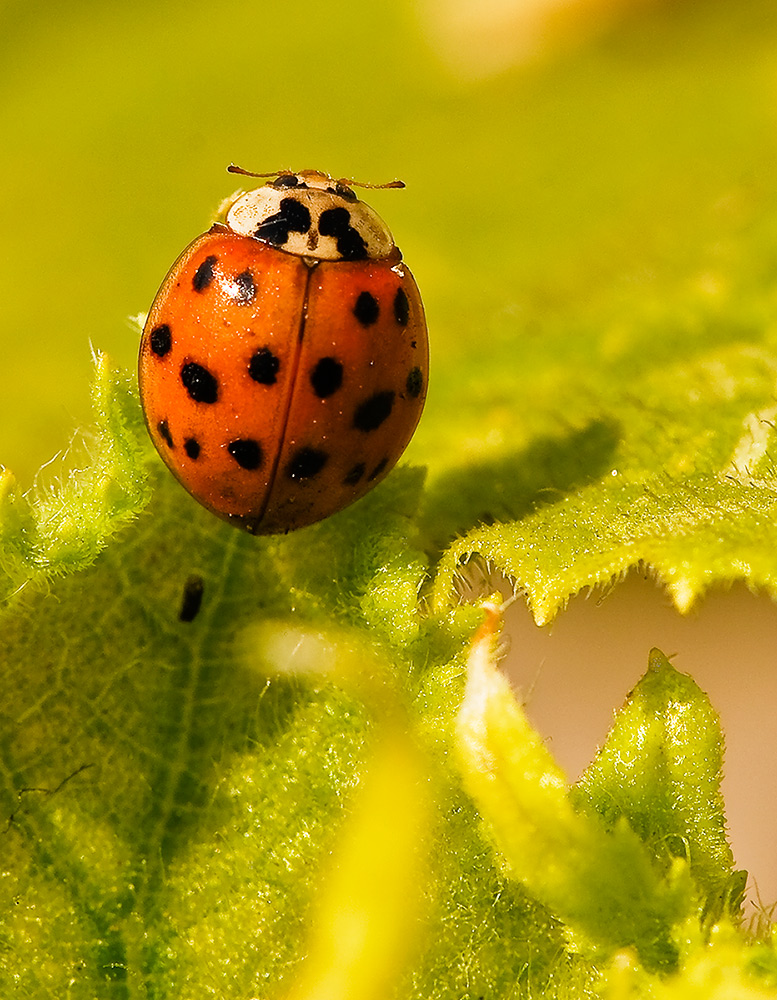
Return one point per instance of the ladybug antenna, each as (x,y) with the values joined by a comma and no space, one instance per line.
(366,184)
(233,168)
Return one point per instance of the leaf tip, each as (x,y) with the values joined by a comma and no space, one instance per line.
(657,661)
(683,592)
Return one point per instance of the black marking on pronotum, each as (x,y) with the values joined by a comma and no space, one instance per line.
(243,290)
(401,307)
(192,598)
(306,462)
(373,411)
(204,274)
(366,309)
(336,222)
(161,340)
(199,383)
(164,433)
(263,366)
(327,377)
(414,382)
(292,217)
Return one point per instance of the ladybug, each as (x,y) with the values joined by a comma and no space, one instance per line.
(283,365)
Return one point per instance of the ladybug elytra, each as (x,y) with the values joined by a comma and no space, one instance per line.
(283,365)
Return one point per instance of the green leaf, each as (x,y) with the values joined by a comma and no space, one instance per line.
(600,882)
(723,968)
(169,799)
(660,769)
(648,479)
(367,916)
(198,800)
(62,528)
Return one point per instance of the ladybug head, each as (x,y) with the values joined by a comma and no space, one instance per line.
(312,215)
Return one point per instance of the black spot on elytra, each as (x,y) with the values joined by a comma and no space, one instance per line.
(327,377)
(204,274)
(246,452)
(292,217)
(305,463)
(366,309)
(401,307)
(373,411)
(243,290)
(161,340)
(378,469)
(192,448)
(354,474)
(263,366)
(336,222)
(415,382)
(199,383)
(192,598)
(164,433)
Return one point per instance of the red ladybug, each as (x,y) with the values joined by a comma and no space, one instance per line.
(284,361)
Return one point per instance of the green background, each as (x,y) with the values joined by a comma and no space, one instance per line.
(620,166)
